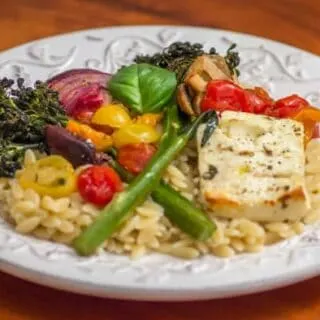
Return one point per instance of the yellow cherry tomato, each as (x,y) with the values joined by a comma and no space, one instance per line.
(151,119)
(112,115)
(53,176)
(135,133)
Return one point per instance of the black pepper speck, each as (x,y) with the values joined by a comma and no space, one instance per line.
(211,173)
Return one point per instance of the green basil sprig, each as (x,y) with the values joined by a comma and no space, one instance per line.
(143,88)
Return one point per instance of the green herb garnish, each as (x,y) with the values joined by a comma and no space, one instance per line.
(210,127)
(232,59)
(143,87)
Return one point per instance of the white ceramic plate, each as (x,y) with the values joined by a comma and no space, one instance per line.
(280,68)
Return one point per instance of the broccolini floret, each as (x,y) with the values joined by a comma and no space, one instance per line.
(24,114)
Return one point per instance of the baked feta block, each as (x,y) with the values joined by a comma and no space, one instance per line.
(253,167)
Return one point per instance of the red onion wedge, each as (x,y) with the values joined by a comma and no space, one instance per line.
(81,89)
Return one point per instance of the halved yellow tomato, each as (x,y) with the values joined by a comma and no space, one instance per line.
(112,115)
(135,133)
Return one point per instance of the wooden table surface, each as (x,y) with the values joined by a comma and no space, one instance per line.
(291,21)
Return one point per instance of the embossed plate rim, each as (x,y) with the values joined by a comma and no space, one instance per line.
(141,293)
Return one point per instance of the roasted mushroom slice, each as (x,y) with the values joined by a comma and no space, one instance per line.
(197,83)
(184,100)
(204,69)
(209,68)
(196,102)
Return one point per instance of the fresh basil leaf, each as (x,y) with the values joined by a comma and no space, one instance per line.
(143,88)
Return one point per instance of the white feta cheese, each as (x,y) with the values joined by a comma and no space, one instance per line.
(253,167)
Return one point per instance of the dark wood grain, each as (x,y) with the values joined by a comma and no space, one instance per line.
(292,21)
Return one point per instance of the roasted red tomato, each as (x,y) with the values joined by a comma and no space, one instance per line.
(257,101)
(286,107)
(223,95)
(134,157)
(98,184)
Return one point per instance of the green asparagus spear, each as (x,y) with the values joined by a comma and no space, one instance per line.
(183,213)
(122,205)
(178,209)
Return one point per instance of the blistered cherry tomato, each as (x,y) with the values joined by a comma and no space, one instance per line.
(257,101)
(134,157)
(222,95)
(98,184)
(135,133)
(286,107)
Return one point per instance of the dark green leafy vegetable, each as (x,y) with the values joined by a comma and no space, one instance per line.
(179,56)
(175,51)
(119,209)
(24,114)
(143,87)
(211,125)
(232,59)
